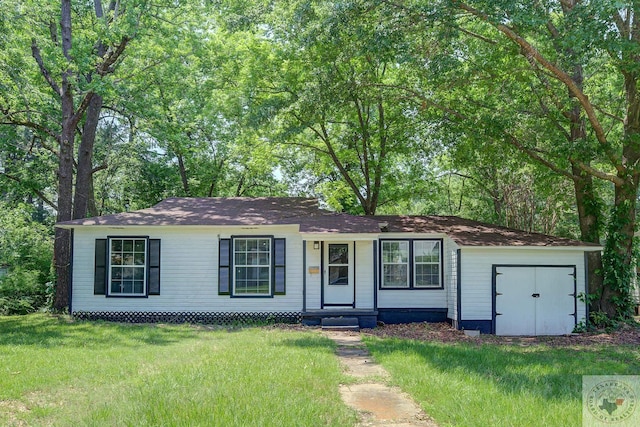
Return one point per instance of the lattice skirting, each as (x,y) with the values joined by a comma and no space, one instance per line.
(189,317)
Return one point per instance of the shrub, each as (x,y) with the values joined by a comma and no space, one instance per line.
(26,251)
(22,292)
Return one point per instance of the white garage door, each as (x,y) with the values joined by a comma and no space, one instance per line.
(534,300)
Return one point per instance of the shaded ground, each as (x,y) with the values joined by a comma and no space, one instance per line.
(443,332)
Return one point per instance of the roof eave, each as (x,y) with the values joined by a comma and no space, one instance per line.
(583,248)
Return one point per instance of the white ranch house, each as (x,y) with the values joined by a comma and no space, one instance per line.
(213,259)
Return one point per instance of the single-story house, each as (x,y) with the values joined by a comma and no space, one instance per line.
(210,259)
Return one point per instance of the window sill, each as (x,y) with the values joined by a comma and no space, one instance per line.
(251,296)
(127,296)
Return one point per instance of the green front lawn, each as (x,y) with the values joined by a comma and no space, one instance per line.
(62,373)
(54,371)
(470,384)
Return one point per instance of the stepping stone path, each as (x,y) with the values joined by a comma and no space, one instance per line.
(378,404)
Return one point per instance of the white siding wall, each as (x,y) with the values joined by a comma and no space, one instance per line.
(364,274)
(188,272)
(476,274)
(313,280)
(418,298)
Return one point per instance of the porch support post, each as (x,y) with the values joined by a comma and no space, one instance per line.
(304,276)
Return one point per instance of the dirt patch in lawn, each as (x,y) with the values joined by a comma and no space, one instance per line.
(443,332)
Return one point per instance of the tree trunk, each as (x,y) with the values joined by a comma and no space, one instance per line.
(92,209)
(588,206)
(62,244)
(617,259)
(618,254)
(183,175)
(84,188)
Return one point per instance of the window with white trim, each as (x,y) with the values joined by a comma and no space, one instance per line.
(426,260)
(411,264)
(252,266)
(127,266)
(395,264)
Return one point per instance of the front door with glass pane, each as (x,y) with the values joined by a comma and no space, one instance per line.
(338,275)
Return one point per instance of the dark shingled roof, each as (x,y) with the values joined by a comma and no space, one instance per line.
(466,232)
(247,211)
(305,212)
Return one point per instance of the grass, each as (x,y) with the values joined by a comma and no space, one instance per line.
(57,372)
(466,384)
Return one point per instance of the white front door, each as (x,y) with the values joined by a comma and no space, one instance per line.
(339,282)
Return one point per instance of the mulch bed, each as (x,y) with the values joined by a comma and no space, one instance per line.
(443,332)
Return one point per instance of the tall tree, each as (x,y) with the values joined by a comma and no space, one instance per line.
(562,42)
(323,87)
(72,69)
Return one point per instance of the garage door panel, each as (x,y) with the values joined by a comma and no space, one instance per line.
(555,306)
(534,300)
(515,314)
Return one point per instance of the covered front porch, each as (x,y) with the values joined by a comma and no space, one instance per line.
(339,278)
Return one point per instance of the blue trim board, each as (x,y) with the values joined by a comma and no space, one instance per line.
(70,290)
(493,299)
(376,272)
(459,288)
(408,315)
(322,274)
(355,273)
(586,288)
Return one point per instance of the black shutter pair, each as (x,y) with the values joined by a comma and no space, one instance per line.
(101,264)
(278,262)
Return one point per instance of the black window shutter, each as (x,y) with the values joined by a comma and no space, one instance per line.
(279,261)
(224,267)
(154,267)
(100,271)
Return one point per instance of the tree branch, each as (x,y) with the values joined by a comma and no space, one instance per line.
(598,173)
(99,168)
(511,139)
(527,50)
(35,52)
(10,120)
(37,192)
(112,56)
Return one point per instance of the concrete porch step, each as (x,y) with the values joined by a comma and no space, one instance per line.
(340,324)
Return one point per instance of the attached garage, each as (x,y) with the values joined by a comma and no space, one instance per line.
(534,300)
(499,280)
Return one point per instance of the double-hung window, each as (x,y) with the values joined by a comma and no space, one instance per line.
(411,264)
(252,266)
(395,264)
(127,266)
(426,261)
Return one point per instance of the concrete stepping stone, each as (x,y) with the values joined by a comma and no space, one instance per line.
(378,404)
